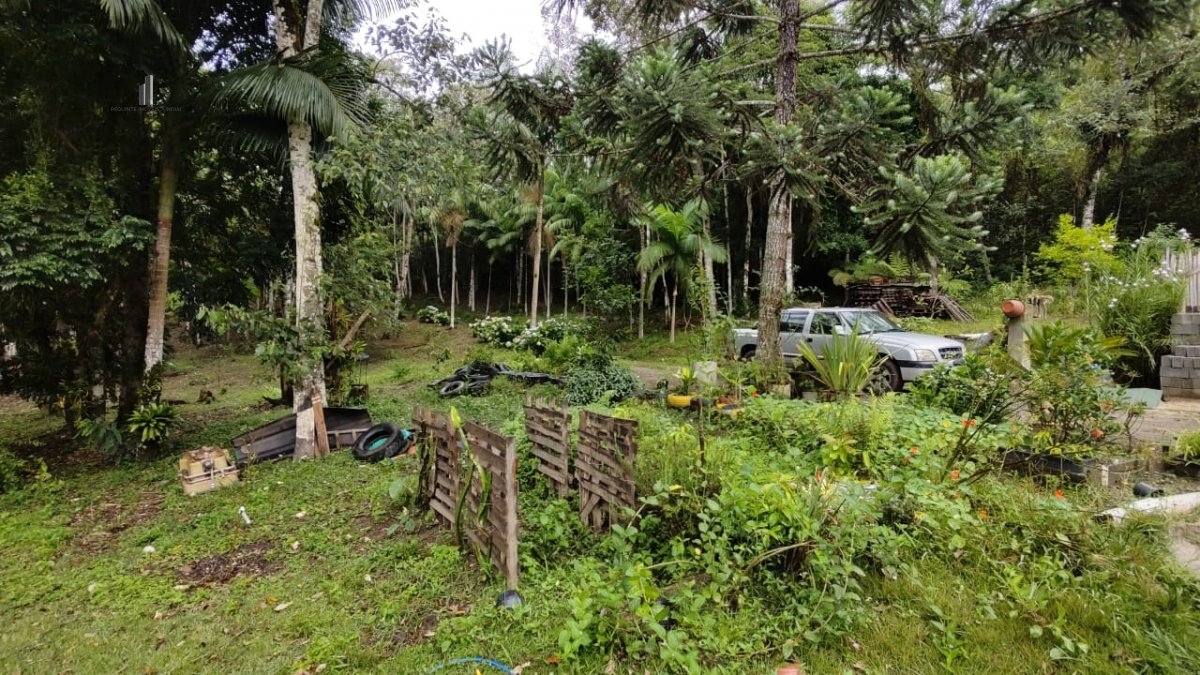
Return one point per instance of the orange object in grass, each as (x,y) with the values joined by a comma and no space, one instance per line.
(954,474)
(914,451)
(1058,494)
(1097,433)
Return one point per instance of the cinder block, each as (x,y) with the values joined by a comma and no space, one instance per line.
(1190,351)
(1173,362)
(1174,393)
(1180,375)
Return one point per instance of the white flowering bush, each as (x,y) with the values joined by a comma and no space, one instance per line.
(1137,304)
(431,314)
(498,331)
(551,330)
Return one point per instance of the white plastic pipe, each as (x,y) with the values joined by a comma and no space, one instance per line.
(1173,505)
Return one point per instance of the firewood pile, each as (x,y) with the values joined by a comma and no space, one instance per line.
(907,299)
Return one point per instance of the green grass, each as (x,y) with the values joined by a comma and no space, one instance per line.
(365,586)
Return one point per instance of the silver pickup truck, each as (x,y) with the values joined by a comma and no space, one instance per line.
(909,355)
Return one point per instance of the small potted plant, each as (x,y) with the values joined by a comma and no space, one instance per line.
(1183,458)
(682,396)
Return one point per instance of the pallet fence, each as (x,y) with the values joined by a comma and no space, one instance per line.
(440,469)
(1187,264)
(548,427)
(496,533)
(604,468)
(489,519)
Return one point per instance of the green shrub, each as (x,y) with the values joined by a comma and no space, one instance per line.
(12,470)
(1078,252)
(979,388)
(1065,392)
(431,314)
(596,376)
(151,423)
(845,366)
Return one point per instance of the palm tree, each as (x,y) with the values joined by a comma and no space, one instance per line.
(519,126)
(679,245)
(172,27)
(316,93)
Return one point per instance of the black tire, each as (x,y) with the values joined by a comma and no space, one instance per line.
(452,388)
(887,378)
(377,442)
(748,352)
(401,446)
(477,387)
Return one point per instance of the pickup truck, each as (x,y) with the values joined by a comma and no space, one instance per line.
(908,355)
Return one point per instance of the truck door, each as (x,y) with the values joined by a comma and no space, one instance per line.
(791,333)
(822,329)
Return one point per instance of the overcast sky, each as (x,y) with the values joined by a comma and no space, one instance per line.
(483,20)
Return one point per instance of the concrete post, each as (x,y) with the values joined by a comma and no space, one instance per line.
(1014,310)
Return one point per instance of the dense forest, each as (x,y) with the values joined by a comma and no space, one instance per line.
(293,169)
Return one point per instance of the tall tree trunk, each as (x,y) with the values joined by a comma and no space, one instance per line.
(549,283)
(488,309)
(674,298)
(471,283)
(453,281)
(566,281)
(746,252)
(933,275)
(168,184)
(710,275)
(406,227)
(1091,189)
(728,259)
(397,277)
(789,286)
(643,242)
(290,40)
(437,261)
(537,250)
(779,226)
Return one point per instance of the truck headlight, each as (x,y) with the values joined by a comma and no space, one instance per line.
(925,355)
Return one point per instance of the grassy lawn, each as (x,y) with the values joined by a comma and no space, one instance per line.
(111,570)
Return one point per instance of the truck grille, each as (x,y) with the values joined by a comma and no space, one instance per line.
(950,353)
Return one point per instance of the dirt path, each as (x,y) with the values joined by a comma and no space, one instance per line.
(1159,426)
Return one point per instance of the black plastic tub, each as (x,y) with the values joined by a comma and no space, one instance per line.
(277,440)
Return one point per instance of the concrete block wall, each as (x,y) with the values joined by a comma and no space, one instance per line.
(1179,372)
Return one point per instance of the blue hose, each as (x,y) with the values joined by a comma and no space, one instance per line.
(474,659)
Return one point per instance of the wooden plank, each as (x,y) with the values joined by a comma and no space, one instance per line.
(322,434)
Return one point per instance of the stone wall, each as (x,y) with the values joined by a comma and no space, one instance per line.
(1180,371)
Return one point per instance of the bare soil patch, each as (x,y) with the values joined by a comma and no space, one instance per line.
(246,560)
(99,524)
(422,632)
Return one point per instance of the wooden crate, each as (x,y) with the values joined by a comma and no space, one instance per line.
(206,469)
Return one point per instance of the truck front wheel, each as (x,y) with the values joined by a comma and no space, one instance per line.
(748,352)
(887,378)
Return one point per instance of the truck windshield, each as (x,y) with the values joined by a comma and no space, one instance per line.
(870,322)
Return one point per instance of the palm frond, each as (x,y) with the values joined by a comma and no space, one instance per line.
(135,16)
(321,89)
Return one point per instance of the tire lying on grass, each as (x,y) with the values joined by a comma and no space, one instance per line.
(380,441)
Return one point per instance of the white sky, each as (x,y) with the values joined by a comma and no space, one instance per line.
(483,20)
